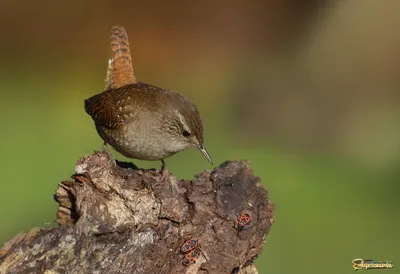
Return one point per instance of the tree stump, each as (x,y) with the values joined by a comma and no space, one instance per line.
(115,218)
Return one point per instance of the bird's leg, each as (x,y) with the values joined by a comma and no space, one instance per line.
(104,149)
(164,171)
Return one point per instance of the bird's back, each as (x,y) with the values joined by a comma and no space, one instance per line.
(110,108)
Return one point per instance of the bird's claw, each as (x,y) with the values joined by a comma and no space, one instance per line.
(164,172)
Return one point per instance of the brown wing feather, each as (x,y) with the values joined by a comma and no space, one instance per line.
(120,70)
(103,110)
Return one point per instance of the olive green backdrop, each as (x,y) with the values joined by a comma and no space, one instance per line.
(309,94)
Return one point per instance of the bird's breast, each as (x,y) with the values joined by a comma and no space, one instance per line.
(139,138)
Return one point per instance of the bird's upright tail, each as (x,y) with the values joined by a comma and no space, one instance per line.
(120,70)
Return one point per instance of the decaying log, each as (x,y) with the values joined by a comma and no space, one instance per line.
(115,218)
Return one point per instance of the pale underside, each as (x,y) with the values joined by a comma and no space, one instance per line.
(139,138)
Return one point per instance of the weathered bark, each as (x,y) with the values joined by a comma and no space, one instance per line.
(115,218)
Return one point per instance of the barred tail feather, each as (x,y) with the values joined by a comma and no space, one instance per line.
(120,70)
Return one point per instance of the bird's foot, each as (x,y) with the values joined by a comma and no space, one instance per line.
(164,172)
(104,149)
(108,153)
(165,175)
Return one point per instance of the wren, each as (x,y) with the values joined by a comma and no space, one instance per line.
(139,120)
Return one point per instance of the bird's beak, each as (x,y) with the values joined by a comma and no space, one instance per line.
(205,153)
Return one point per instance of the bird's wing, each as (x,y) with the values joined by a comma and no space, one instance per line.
(104,111)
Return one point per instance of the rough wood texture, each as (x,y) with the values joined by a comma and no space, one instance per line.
(115,218)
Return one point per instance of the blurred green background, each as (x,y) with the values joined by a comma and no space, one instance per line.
(308,91)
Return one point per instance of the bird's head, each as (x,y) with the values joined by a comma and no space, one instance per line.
(185,129)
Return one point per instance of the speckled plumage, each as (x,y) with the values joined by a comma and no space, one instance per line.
(139,120)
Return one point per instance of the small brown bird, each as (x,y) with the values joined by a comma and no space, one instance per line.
(139,120)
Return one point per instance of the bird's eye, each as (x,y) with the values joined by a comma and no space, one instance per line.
(185,133)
